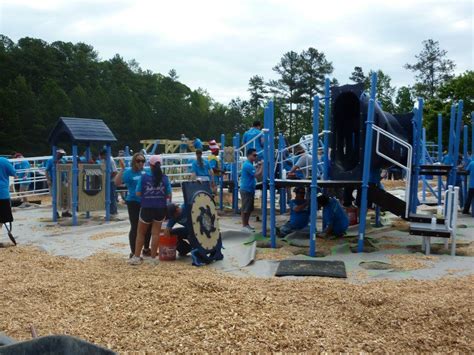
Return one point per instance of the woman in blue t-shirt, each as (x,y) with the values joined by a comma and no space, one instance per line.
(154,188)
(129,177)
(200,168)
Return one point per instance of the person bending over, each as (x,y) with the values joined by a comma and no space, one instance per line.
(299,213)
(178,215)
(335,219)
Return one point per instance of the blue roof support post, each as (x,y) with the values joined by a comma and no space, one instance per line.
(265,172)
(326,130)
(367,163)
(472,134)
(457,141)
(452,129)
(271,148)
(281,155)
(465,142)
(88,159)
(108,175)
(314,181)
(423,161)
(440,154)
(74,182)
(53,186)
(127,155)
(235,198)
(221,179)
(417,149)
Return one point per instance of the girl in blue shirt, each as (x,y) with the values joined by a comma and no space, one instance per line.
(129,177)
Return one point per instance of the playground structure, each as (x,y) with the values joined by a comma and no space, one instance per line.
(84,187)
(357,140)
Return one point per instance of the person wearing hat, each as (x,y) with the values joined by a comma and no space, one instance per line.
(335,220)
(214,162)
(302,166)
(23,174)
(113,190)
(197,143)
(178,215)
(59,159)
(154,189)
(299,213)
(6,170)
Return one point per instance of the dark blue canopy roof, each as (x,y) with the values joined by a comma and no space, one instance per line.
(80,130)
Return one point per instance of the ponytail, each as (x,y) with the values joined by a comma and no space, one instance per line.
(157,174)
(200,161)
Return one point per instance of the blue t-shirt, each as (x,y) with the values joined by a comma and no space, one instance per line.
(6,170)
(198,144)
(130,178)
(298,220)
(200,170)
(247,177)
(470,170)
(23,165)
(257,143)
(335,216)
(139,184)
(181,219)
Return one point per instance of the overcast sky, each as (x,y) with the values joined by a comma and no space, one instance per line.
(219,45)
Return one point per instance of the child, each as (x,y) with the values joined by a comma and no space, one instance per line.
(299,215)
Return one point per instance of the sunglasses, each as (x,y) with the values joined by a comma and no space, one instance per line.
(140,161)
(254,155)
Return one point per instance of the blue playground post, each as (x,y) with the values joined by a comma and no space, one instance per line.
(221,180)
(417,125)
(127,154)
(271,148)
(265,172)
(74,182)
(465,158)
(314,181)
(423,161)
(108,173)
(281,147)
(452,121)
(472,134)
(88,158)
(235,166)
(326,129)
(367,163)
(53,186)
(457,142)
(440,154)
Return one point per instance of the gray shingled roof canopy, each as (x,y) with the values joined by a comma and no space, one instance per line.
(80,130)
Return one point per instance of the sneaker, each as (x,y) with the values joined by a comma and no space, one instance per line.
(66,214)
(152,261)
(248,229)
(135,260)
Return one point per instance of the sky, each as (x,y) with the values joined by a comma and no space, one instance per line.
(218,45)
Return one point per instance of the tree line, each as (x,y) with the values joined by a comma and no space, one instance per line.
(42,81)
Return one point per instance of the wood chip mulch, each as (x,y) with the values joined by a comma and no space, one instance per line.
(173,307)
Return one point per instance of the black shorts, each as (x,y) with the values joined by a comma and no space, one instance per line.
(150,215)
(247,201)
(6,211)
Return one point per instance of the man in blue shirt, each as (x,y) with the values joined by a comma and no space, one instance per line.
(60,153)
(6,170)
(178,215)
(248,182)
(256,144)
(334,217)
(299,213)
(470,193)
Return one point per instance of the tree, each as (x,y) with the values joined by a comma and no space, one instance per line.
(432,69)
(257,94)
(173,75)
(404,100)
(358,76)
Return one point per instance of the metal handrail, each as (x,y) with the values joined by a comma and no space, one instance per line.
(409,148)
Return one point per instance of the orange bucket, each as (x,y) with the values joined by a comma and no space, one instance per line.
(352,215)
(167,247)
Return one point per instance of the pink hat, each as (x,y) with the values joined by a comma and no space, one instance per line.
(213,145)
(154,159)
